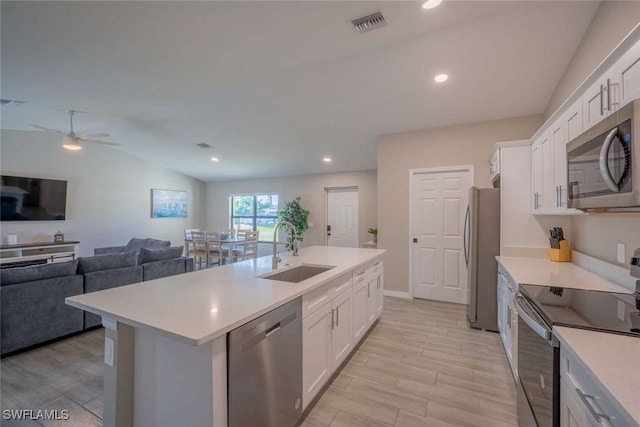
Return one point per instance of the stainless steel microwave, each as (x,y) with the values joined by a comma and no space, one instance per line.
(603,164)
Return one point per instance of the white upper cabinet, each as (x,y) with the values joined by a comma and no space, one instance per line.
(614,87)
(536,175)
(628,70)
(573,120)
(558,137)
(601,98)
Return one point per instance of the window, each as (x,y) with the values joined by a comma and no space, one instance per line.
(255,212)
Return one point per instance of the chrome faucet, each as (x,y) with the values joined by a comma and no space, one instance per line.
(276,258)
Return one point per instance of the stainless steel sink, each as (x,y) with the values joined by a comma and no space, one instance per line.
(299,273)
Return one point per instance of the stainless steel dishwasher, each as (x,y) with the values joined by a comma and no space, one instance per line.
(265,369)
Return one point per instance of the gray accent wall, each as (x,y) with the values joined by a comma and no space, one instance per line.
(108,192)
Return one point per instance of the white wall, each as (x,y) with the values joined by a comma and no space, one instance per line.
(312,190)
(108,193)
(449,146)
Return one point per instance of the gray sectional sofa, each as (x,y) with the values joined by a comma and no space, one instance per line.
(32,308)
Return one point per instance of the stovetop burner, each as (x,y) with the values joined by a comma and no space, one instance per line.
(586,309)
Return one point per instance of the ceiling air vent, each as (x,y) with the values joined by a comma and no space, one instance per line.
(204,145)
(369,22)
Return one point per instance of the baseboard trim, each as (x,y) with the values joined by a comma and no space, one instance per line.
(397,294)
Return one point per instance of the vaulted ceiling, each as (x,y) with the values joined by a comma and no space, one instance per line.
(276,86)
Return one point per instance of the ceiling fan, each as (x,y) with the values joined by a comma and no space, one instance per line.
(71,140)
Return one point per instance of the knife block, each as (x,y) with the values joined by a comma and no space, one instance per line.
(561,255)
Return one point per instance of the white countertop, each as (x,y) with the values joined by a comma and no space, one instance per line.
(613,361)
(540,271)
(200,306)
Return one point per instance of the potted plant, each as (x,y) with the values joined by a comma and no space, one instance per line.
(296,215)
(374,233)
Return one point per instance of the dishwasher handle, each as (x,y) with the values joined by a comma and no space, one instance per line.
(538,327)
(256,335)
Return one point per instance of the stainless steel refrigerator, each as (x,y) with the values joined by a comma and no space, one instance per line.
(481,245)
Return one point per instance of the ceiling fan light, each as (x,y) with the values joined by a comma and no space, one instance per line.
(71,144)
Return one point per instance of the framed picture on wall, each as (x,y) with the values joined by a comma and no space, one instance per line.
(168,203)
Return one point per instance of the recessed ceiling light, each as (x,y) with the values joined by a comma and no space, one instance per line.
(215,159)
(440,78)
(430,4)
(327,159)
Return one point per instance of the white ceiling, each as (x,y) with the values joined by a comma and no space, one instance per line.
(275,86)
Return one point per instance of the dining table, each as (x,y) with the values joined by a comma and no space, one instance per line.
(230,243)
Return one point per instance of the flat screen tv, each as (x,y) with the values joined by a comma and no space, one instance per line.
(33,199)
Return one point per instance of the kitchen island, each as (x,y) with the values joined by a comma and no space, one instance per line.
(165,340)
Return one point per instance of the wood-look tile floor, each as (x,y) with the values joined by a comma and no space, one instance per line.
(420,366)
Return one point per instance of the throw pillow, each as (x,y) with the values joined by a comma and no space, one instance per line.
(157,244)
(106,262)
(135,245)
(9,276)
(151,255)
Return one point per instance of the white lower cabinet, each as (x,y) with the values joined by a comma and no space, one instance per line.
(507,315)
(316,352)
(360,305)
(330,332)
(571,413)
(341,338)
(583,400)
(326,343)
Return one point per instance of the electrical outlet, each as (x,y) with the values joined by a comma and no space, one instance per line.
(622,258)
(621,313)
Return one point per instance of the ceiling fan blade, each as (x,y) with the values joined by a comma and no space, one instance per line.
(47,129)
(96,135)
(95,141)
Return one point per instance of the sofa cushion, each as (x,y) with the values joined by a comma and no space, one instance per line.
(35,312)
(106,262)
(151,255)
(9,276)
(157,244)
(135,245)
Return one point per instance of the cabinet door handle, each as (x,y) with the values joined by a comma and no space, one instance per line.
(560,196)
(368,290)
(508,315)
(601,100)
(332,319)
(585,398)
(608,94)
(337,316)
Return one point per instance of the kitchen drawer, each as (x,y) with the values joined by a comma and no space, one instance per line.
(313,300)
(588,391)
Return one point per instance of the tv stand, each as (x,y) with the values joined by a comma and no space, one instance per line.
(25,254)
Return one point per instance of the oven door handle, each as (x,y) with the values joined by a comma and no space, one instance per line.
(604,161)
(539,329)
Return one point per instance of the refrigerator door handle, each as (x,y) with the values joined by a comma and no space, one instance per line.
(466,224)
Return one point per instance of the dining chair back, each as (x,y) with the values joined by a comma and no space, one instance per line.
(200,248)
(249,248)
(216,252)
(188,244)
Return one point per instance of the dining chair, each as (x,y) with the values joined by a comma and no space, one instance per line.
(200,248)
(188,244)
(216,251)
(249,248)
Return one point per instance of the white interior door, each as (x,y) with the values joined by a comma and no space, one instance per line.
(439,203)
(342,217)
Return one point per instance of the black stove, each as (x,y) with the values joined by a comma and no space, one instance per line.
(586,309)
